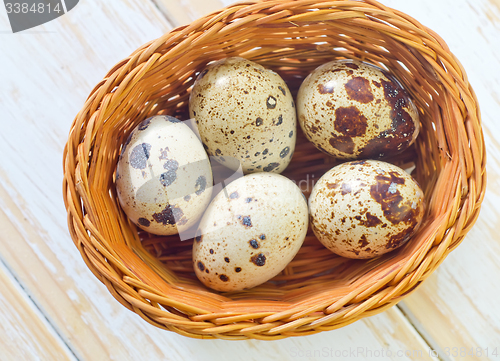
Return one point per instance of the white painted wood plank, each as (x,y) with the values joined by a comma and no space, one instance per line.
(184,11)
(42,94)
(39,97)
(25,334)
(42,255)
(115,333)
(457,308)
(46,76)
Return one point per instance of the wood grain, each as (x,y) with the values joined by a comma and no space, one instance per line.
(36,244)
(40,99)
(40,95)
(24,331)
(183,12)
(47,74)
(85,314)
(457,309)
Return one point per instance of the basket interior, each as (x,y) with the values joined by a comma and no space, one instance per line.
(159,82)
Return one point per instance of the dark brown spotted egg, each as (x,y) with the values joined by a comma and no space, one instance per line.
(249,233)
(245,114)
(362,209)
(352,110)
(163,176)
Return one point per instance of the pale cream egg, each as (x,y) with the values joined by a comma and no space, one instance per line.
(163,176)
(350,110)
(245,114)
(363,209)
(250,232)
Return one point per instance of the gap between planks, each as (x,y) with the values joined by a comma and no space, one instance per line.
(41,333)
(181,13)
(422,332)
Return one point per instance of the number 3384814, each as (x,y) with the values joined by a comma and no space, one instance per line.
(24,8)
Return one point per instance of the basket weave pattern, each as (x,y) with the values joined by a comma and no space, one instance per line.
(153,276)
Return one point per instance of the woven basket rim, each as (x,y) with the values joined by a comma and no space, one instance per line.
(453,169)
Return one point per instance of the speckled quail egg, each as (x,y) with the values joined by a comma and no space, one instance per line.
(249,233)
(245,114)
(362,209)
(354,110)
(163,176)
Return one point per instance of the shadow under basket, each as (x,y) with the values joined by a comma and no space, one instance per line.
(153,276)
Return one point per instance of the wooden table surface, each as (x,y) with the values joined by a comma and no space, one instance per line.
(53,308)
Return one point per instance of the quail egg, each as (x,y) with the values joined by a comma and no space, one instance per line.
(363,209)
(245,115)
(354,110)
(250,232)
(163,176)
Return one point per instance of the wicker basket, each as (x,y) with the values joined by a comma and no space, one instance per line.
(153,276)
